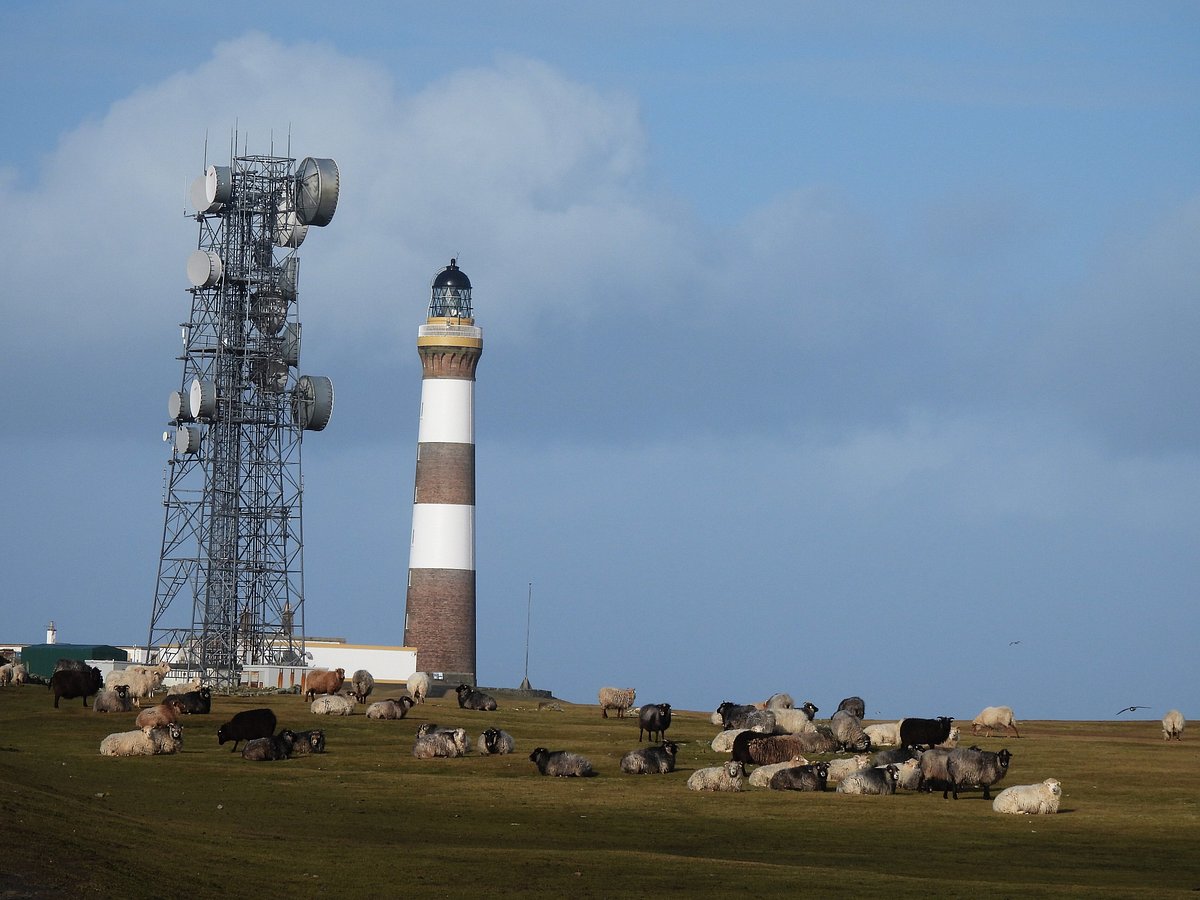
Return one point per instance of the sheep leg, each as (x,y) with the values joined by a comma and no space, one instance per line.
(1014,728)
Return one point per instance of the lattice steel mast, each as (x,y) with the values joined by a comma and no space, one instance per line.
(230,587)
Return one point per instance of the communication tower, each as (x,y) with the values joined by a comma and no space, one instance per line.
(230,587)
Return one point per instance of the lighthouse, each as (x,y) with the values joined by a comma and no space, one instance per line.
(439,617)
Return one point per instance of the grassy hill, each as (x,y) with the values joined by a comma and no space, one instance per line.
(367,819)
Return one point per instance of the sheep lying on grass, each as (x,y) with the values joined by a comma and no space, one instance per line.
(266,749)
(871,781)
(723,742)
(1029,799)
(115,699)
(884,734)
(761,776)
(840,768)
(160,739)
(495,742)
(561,763)
(390,709)
(795,721)
(717,778)
(306,742)
(441,744)
(333,705)
(813,777)
(163,713)
(650,760)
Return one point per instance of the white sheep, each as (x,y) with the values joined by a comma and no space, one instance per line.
(1172,724)
(114,700)
(951,740)
(157,740)
(884,734)
(779,701)
(717,778)
(908,774)
(333,705)
(441,744)
(495,741)
(1029,799)
(761,777)
(619,699)
(793,721)
(843,766)
(20,674)
(992,717)
(723,742)
(418,686)
(390,709)
(185,687)
(142,681)
(6,674)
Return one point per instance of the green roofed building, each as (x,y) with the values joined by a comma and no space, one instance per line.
(40,659)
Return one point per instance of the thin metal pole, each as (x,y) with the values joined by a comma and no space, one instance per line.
(528,609)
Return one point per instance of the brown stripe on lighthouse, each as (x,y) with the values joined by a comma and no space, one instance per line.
(445,473)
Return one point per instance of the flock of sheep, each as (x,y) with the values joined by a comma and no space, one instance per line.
(769,742)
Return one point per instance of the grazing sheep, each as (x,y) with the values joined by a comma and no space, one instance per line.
(840,768)
(390,709)
(114,700)
(761,776)
(654,718)
(650,760)
(323,681)
(165,713)
(780,701)
(362,683)
(1029,799)
(246,726)
(854,706)
(561,763)
(493,742)
(717,778)
(723,742)
(934,768)
(968,767)
(266,749)
(793,721)
(925,732)
(470,698)
(194,703)
(160,739)
(992,717)
(441,744)
(619,699)
(814,777)
(871,781)
(333,705)
(418,686)
(306,742)
(884,734)
(848,730)
(71,683)
(762,749)
(1172,725)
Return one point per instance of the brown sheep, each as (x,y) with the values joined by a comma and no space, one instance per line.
(323,681)
(165,713)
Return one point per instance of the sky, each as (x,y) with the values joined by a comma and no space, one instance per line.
(828,350)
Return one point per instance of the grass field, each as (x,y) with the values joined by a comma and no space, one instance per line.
(367,819)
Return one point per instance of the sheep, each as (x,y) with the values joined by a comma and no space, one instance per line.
(18,673)
(361,685)
(431,728)
(165,713)
(333,705)
(735,715)
(849,731)
(793,721)
(761,749)
(854,706)
(323,681)
(717,778)
(493,742)
(780,701)
(619,699)
(968,767)
(723,742)
(418,686)
(470,698)
(924,732)
(654,718)
(883,734)
(995,717)
(1029,799)
(870,781)
(246,726)
(390,709)
(1172,725)
(908,774)
(898,755)
(650,760)
(814,777)
(561,763)
(70,684)
(951,740)
(840,768)
(70,665)
(761,776)
(161,739)
(306,742)
(197,702)
(184,687)
(441,744)
(267,749)
(114,700)
(6,674)
(143,681)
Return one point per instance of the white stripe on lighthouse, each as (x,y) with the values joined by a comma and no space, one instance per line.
(447,411)
(443,536)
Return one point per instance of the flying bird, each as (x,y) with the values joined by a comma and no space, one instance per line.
(1010,643)
(1130,709)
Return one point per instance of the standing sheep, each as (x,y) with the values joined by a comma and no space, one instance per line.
(717,778)
(968,767)
(925,732)
(1029,799)
(854,706)
(992,717)
(650,760)
(848,730)
(71,683)
(619,699)
(362,683)
(493,742)
(654,718)
(113,700)
(1172,725)
(160,739)
(323,681)
(561,763)
(246,726)
(871,781)
(814,777)
(418,686)
(884,734)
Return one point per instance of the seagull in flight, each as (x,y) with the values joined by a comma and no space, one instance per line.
(1130,709)
(1011,643)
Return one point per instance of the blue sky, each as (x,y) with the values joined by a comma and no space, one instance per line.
(825,351)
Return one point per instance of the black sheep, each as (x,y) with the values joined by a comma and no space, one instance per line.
(246,726)
(469,698)
(854,706)
(69,684)
(195,702)
(307,742)
(925,732)
(654,718)
(266,749)
(813,777)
